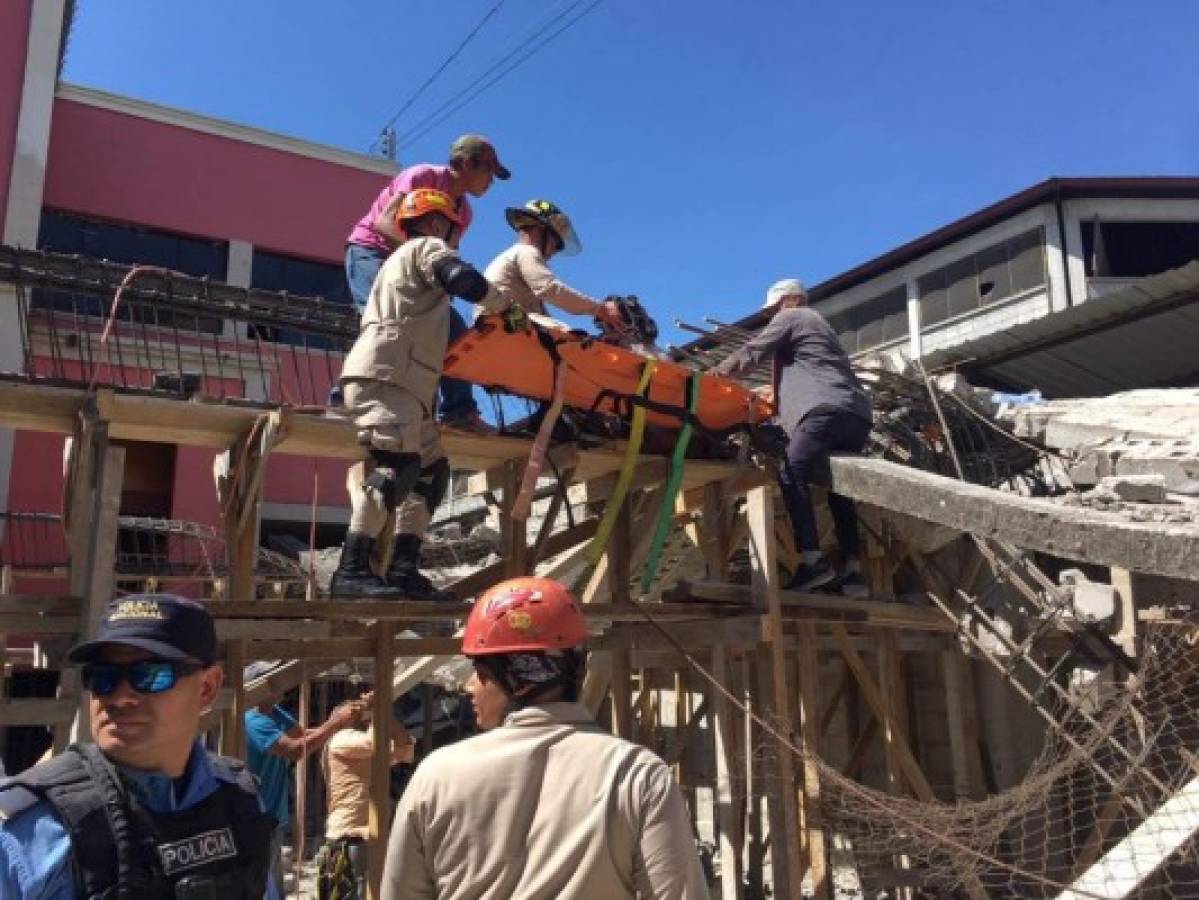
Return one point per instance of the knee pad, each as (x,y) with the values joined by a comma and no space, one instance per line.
(393,476)
(433,483)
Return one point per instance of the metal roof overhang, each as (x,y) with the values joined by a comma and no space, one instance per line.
(1144,335)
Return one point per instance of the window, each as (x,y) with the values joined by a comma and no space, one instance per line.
(989,276)
(879,320)
(66,233)
(1137,249)
(304,278)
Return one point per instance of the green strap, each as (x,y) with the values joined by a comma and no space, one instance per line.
(625,478)
(677,465)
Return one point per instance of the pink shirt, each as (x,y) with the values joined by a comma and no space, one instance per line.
(421,176)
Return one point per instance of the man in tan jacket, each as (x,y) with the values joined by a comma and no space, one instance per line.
(522,272)
(544,805)
(389,380)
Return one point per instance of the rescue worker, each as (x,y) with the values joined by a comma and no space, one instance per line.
(274,740)
(389,380)
(823,408)
(543,803)
(347,768)
(473,165)
(144,812)
(522,272)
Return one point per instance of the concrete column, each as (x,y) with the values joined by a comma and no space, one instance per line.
(915,339)
(27,181)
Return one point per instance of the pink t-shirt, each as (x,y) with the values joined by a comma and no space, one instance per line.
(413,177)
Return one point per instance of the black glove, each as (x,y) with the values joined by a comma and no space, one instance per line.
(515,319)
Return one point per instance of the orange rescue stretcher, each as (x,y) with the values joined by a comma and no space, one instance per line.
(600,376)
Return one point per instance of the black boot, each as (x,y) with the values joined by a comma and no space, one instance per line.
(354,578)
(404,573)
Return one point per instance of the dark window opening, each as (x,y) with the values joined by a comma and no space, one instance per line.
(304,278)
(989,276)
(128,244)
(1137,249)
(879,320)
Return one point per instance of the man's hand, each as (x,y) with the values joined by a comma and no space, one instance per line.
(344,715)
(608,313)
(515,319)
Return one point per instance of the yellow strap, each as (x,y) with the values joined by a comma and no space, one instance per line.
(625,478)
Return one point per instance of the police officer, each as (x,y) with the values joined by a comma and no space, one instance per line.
(145,811)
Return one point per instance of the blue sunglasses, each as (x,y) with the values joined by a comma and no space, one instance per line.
(150,676)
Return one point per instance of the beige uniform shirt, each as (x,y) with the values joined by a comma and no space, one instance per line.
(546,806)
(521,275)
(406,323)
(348,775)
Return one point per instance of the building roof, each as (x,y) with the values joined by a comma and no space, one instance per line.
(1143,335)
(1048,191)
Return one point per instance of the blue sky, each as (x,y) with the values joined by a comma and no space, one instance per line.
(703,149)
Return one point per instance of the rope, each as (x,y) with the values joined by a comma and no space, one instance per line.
(524,499)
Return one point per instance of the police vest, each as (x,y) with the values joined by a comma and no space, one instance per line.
(220,848)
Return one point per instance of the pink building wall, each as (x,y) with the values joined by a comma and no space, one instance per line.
(116,166)
(14,40)
(120,167)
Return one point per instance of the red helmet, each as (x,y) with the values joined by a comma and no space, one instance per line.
(524,615)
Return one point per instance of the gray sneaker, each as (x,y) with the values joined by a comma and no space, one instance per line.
(854,585)
(809,577)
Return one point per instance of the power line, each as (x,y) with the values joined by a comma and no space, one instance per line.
(449,59)
(469,93)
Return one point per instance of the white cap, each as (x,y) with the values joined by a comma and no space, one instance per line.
(788,287)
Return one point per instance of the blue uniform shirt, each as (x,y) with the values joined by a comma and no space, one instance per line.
(262,733)
(35,849)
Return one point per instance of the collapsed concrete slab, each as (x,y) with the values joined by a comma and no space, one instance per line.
(1165,414)
(1071,532)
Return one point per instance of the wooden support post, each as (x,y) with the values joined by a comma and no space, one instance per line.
(894,715)
(622,695)
(962,720)
(514,533)
(239,473)
(95,480)
(233,729)
(298,825)
(1125,635)
(728,819)
(809,711)
(380,799)
(760,518)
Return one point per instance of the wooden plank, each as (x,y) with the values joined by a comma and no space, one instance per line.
(810,800)
(759,514)
(41,711)
(962,721)
(514,533)
(724,791)
(380,783)
(95,501)
(233,731)
(740,631)
(622,695)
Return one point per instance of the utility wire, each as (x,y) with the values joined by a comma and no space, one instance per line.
(449,59)
(469,93)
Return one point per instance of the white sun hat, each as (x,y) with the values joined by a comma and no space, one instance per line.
(788,287)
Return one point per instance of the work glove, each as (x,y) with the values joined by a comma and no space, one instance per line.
(515,319)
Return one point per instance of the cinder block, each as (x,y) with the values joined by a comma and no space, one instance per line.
(1136,488)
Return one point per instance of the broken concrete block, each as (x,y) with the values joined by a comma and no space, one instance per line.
(1135,488)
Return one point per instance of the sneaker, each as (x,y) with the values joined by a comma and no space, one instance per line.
(854,585)
(471,422)
(810,576)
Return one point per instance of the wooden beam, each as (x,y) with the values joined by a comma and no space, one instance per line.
(810,800)
(233,731)
(962,721)
(759,514)
(728,816)
(42,711)
(379,818)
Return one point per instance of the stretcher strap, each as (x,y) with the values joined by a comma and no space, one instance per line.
(677,465)
(625,478)
(524,499)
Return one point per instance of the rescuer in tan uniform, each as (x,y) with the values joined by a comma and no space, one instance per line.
(544,805)
(522,272)
(389,380)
